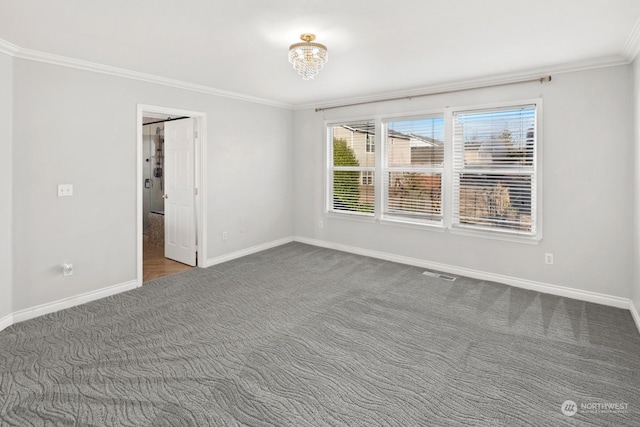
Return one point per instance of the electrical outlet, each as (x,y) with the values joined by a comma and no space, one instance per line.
(67,269)
(548,259)
(242,231)
(225,236)
(321,224)
(65,190)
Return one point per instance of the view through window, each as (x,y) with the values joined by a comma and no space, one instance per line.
(352,167)
(494,169)
(480,176)
(413,167)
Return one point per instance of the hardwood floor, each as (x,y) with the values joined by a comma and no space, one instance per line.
(155,265)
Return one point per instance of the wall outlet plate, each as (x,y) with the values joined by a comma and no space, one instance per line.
(67,269)
(65,190)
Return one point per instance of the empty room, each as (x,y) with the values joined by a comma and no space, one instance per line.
(320,213)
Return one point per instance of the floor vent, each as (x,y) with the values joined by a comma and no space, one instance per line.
(439,276)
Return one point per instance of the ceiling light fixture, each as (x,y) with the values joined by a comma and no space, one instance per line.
(308,57)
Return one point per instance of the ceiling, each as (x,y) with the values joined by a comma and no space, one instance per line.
(375,47)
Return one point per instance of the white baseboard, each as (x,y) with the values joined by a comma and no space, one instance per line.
(61,304)
(635,314)
(248,251)
(6,321)
(594,297)
(546,288)
(51,307)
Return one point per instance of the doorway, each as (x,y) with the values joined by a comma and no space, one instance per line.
(170,196)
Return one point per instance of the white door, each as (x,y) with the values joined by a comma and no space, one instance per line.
(179,203)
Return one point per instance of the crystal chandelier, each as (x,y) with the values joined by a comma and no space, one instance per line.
(307,57)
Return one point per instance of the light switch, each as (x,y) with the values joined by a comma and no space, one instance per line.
(65,190)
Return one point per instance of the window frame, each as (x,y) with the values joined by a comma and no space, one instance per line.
(367,178)
(370,143)
(536,207)
(330,169)
(385,169)
(447,180)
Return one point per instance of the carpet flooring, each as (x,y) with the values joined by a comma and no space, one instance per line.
(304,336)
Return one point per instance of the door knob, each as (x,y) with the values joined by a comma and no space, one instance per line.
(165,196)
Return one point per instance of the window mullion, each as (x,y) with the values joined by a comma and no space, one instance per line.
(379,176)
(447,175)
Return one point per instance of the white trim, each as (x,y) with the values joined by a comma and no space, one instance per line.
(505,236)
(6,321)
(630,51)
(477,83)
(438,227)
(139,193)
(546,288)
(632,46)
(34,55)
(594,297)
(537,208)
(635,314)
(350,215)
(248,251)
(201,190)
(200,181)
(61,304)
(8,48)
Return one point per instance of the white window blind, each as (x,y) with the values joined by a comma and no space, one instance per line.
(352,167)
(494,169)
(412,169)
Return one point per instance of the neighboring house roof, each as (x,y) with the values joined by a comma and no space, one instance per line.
(416,140)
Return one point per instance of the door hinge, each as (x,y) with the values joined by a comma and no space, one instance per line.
(195,191)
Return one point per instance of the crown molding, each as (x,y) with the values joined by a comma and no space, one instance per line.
(632,47)
(34,55)
(475,83)
(8,48)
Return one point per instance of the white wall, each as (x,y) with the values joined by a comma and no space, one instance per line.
(6,119)
(73,126)
(587,172)
(78,127)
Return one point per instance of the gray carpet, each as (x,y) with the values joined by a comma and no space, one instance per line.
(304,336)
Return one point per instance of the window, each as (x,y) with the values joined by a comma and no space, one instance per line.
(371,143)
(351,168)
(412,169)
(463,170)
(367,178)
(494,168)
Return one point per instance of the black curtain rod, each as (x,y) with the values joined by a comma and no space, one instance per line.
(165,120)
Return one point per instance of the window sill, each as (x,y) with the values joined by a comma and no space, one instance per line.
(496,235)
(416,225)
(352,216)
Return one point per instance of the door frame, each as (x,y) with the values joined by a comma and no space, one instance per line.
(200,183)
